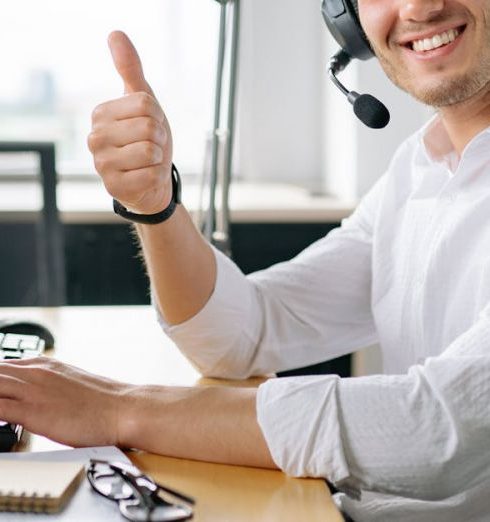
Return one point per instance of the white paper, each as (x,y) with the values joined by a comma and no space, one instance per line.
(85,505)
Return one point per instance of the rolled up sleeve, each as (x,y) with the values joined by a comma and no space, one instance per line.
(210,339)
(313,308)
(422,435)
(300,420)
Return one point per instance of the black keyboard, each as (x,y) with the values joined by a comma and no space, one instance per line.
(16,346)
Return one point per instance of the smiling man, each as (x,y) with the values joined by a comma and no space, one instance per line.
(410,269)
(441,63)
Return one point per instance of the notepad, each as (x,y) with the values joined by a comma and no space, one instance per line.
(40,487)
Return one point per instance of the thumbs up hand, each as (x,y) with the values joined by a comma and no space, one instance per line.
(131,139)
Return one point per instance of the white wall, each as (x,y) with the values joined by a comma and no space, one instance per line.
(281,69)
(293,124)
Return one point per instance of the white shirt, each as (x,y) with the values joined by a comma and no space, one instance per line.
(410,269)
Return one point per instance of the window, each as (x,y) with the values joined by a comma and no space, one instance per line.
(56,68)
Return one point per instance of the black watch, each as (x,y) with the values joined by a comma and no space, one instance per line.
(159,217)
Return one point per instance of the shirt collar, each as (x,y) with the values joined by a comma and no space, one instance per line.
(438,148)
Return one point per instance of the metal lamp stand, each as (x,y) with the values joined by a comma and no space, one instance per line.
(216,227)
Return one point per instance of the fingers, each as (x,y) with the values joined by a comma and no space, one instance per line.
(30,371)
(60,401)
(129,131)
(128,63)
(132,170)
(30,361)
(138,155)
(136,105)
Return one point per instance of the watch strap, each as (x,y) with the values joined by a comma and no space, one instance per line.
(158,217)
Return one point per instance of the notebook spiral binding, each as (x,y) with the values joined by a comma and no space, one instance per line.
(24,503)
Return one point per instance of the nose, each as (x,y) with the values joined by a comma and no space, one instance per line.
(420,10)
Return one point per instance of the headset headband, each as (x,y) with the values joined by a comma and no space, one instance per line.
(342,19)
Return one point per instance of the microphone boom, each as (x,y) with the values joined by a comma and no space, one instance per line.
(366,107)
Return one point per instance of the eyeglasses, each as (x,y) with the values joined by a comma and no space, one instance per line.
(139,497)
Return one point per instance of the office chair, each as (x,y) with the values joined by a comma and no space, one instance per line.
(49,257)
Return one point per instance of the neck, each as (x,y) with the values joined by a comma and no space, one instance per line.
(465,120)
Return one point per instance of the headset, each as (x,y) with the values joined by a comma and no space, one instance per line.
(342,19)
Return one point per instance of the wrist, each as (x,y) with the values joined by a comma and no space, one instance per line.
(158,217)
(127,422)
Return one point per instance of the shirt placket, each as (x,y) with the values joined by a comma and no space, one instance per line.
(443,207)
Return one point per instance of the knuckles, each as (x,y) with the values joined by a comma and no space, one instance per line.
(140,103)
(143,102)
(99,112)
(102,164)
(150,152)
(95,141)
(152,130)
(43,364)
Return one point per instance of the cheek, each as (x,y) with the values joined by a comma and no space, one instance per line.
(377,19)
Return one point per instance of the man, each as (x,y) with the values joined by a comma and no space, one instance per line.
(410,268)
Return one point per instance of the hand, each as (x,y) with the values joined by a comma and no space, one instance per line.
(131,139)
(61,402)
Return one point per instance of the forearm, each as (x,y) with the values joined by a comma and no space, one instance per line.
(131,142)
(212,424)
(180,264)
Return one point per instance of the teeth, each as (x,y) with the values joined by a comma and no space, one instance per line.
(427,44)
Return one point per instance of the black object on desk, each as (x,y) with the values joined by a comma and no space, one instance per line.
(138,495)
(14,346)
(9,435)
(50,256)
(26,327)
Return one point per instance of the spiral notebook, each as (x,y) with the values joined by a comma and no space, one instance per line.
(40,487)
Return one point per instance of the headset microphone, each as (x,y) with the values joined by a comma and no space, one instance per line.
(342,19)
(366,107)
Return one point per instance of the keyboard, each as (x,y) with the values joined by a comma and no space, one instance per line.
(18,346)
(14,347)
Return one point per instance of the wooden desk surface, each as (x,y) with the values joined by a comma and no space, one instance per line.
(126,343)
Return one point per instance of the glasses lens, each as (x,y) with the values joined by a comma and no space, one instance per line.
(109,483)
(161,512)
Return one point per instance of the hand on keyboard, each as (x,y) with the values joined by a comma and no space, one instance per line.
(61,402)
(15,347)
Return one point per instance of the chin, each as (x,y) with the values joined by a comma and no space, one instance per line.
(449,92)
(445,90)
(441,96)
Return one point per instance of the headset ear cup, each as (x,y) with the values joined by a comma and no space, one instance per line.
(355,7)
(342,19)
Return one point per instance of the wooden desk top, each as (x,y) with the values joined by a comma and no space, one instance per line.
(126,343)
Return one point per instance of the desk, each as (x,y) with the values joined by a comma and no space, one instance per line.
(126,343)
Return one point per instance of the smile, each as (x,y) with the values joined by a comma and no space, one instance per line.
(438,40)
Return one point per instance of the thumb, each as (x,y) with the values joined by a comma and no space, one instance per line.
(128,63)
